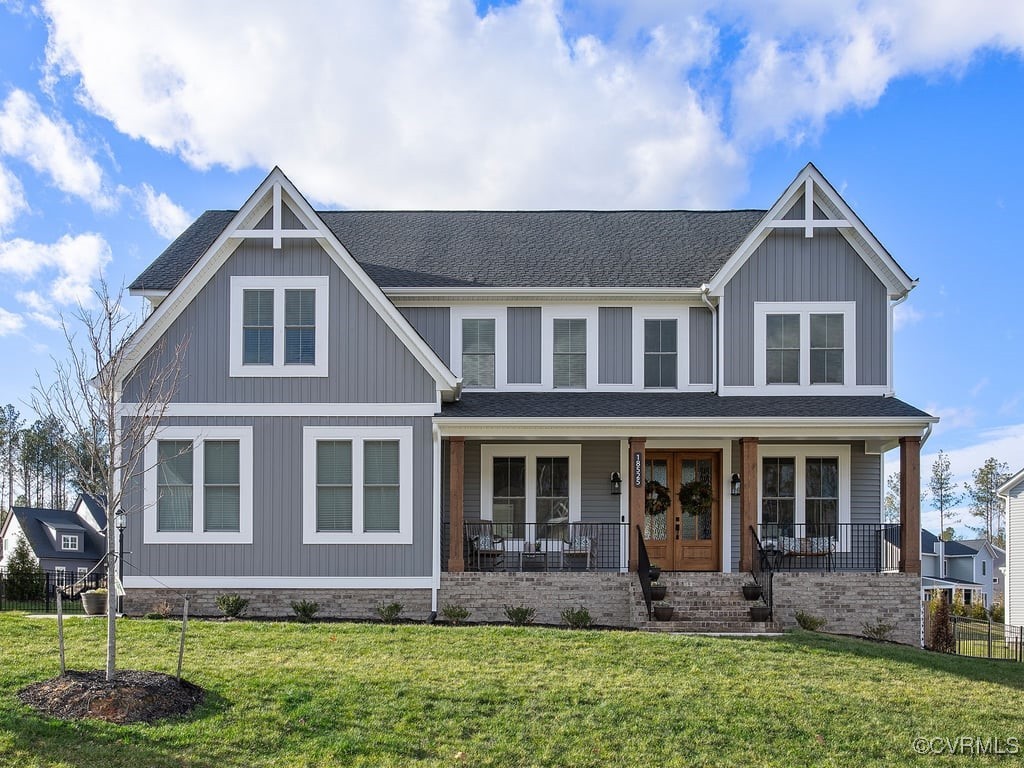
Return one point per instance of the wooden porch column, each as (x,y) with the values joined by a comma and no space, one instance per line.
(637,495)
(749,481)
(910,505)
(456,473)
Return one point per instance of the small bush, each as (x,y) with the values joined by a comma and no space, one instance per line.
(979,612)
(878,630)
(389,612)
(940,626)
(154,615)
(998,613)
(454,614)
(577,618)
(810,622)
(958,608)
(232,605)
(164,609)
(520,615)
(305,610)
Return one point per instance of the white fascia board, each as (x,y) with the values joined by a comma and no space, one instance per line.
(331,410)
(767,427)
(1005,488)
(896,281)
(406,297)
(278,582)
(203,270)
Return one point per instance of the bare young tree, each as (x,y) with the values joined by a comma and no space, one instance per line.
(945,496)
(106,439)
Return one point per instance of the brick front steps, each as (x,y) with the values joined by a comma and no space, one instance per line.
(703,602)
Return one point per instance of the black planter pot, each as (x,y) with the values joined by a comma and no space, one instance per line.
(94,604)
(654,571)
(759,613)
(663,612)
(751,591)
(658,591)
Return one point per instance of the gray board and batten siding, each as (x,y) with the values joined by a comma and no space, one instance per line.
(702,360)
(524,329)
(790,267)
(277,548)
(434,325)
(358,336)
(615,345)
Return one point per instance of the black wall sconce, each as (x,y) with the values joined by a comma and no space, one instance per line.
(734,485)
(616,484)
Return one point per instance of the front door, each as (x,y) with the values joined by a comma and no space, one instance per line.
(682,537)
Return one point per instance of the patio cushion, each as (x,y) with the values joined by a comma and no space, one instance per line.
(580,544)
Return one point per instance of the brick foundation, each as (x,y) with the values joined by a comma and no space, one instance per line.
(847,600)
(605,595)
(277,603)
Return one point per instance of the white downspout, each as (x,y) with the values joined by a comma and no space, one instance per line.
(436,581)
(714,336)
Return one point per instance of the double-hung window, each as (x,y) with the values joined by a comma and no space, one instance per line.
(798,346)
(569,362)
(198,486)
(805,491)
(357,485)
(661,354)
(69,542)
(279,326)
(478,353)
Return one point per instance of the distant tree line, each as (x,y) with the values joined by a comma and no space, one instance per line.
(985,508)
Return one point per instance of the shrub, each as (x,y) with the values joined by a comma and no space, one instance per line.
(25,579)
(979,612)
(958,609)
(520,615)
(154,615)
(454,614)
(998,613)
(577,618)
(879,630)
(232,605)
(940,626)
(305,610)
(389,612)
(164,609)
(810,622)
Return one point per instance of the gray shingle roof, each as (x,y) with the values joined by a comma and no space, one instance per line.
(507,248)
(590,405)
(32,521)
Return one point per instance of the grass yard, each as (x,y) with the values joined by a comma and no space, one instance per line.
(370,695)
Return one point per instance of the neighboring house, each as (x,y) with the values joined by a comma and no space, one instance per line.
(374,403)
(68,542)
(969,566)
(1012,493)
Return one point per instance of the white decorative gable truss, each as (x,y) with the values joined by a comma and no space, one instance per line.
(263,216)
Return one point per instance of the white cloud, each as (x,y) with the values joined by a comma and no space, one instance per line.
(12,198)
(165,217)
(40,310)
(73,261)
(10,322)
(426,104)
(904,315)
(51,147)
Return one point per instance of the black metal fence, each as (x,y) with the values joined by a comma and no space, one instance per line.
(982,639)
(562,546)
(872,547)
(762,571)
(37,592)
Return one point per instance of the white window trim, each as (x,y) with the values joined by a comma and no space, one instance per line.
(482,312)
(848,309)
(531,453)
(358,435)
(547,347)
(318,283)
(198,436)
(81,573)
(801,453)
(69,536)
(682,318)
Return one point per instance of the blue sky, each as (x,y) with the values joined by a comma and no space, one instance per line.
(118,127)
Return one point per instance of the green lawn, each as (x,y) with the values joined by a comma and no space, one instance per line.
(352,694)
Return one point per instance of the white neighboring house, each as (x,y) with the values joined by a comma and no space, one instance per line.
(1012,493)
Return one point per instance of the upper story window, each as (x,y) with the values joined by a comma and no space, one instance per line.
(69,542)
(569,361)
(798,346)
(279,326)
(198,486)
(478,352)
(983,568)
(660,353)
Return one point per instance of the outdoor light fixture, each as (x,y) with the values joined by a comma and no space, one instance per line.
(616,484)
(120,520)
(734,484)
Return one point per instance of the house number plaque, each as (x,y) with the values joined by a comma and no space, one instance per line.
(638,469)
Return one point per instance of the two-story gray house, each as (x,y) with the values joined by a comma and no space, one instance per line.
(432,406)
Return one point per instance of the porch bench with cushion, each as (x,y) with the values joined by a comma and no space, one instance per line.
(804,547)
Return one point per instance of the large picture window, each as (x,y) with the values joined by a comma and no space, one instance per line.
(801,346)
(805,491)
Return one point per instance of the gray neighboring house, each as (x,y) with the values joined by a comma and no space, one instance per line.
(1012,493)
(970,566)
(68,542)
(421,405)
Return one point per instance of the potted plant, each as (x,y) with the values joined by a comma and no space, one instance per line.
(751,591)
(94,601)
(696,497)
(654,572)
(759,613)
(663,612)
(658,591)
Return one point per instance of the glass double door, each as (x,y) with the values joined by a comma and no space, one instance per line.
(683,534)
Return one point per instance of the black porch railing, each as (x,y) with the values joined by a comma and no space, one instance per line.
(872,547)
(762,571)
(37,592)
(643,569)
(559,546)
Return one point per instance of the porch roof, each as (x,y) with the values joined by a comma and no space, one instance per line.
(680,405)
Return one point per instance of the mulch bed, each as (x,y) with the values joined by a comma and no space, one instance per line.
(133,696)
